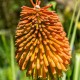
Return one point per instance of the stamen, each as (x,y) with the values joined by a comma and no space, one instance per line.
(47,6)
(32,3)
(37,2)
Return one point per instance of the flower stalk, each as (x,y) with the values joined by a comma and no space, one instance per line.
(76,67)
(12,58)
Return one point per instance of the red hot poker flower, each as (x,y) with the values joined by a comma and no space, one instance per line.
(42,46)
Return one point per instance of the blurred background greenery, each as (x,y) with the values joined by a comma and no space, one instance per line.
(69,14)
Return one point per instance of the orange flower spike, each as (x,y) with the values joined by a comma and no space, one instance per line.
(41,44)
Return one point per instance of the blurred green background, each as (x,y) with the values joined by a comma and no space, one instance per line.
(69,14)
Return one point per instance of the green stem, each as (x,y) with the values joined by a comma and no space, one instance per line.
(79,71)
(73,16)
(74,31)
(76,67)
(12,58)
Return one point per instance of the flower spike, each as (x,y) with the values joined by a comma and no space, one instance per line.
(41,44)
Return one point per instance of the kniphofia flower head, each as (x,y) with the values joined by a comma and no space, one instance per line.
(42,47)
